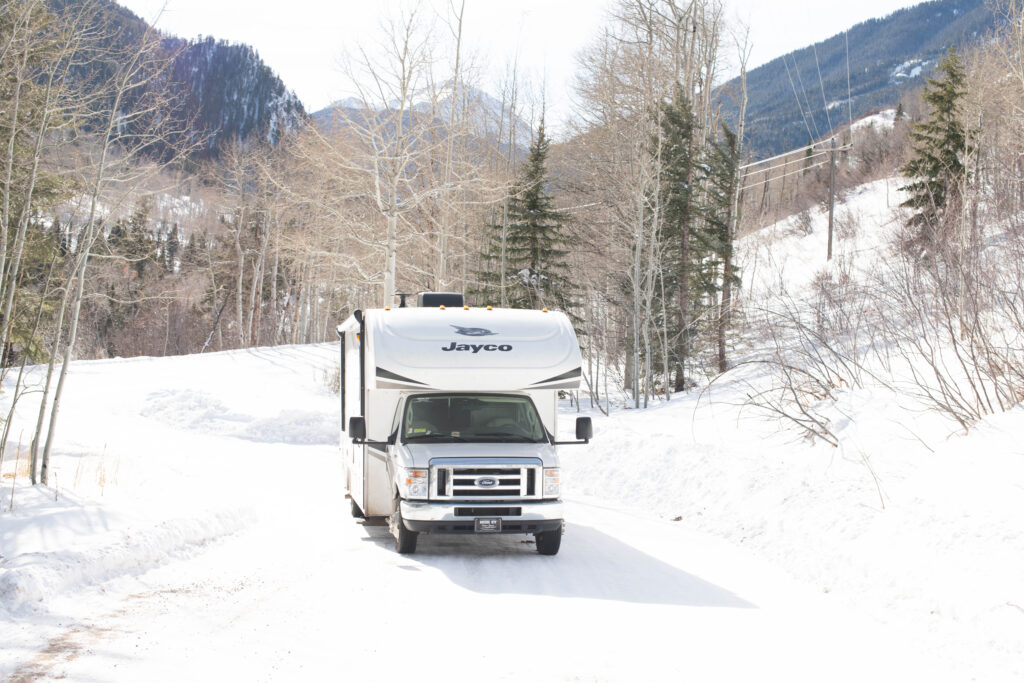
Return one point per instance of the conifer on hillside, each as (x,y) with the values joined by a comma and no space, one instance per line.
(677,181)
(939,144)
(533,247)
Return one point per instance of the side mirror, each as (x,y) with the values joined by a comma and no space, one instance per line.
(357,429)
(584,429)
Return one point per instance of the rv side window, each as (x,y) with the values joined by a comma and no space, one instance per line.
(474,417)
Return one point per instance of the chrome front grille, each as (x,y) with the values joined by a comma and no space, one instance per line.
(485,479)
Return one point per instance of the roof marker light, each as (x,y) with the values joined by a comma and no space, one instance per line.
(465,308)
(490,308)
(387,308)
(544,310)
(442,307)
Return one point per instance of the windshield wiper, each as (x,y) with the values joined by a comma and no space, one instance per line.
(510,437)
(418,437)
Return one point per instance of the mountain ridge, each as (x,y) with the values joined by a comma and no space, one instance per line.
(888,56)
(221,90)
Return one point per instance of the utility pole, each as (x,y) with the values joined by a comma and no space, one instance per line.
(831,194)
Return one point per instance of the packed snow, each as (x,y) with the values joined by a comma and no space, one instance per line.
(908,70)
(196,526)
(883,120)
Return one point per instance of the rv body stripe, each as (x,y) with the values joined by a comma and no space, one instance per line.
(575,385)
(578,372)
(387,374)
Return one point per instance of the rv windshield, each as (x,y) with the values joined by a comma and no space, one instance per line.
(475,417)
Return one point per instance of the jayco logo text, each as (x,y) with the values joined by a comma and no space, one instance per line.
(476,348)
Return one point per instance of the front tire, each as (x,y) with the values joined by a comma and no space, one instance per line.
(548,542)
(405,540)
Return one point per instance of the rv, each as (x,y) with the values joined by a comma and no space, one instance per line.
(449,418)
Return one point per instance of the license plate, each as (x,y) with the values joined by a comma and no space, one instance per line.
(488,525)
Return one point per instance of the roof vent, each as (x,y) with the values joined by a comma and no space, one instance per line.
(435,299)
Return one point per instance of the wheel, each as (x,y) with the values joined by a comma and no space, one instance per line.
(405,540)
(356,512)
(548,542)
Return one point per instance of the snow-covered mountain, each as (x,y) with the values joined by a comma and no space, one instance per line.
(485,114)
(214,91)
(811,91)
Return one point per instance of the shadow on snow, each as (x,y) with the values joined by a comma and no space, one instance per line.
(590,564)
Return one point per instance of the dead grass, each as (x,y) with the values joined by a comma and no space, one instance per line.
(15,466)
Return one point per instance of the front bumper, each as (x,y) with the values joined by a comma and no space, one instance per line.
(459,518)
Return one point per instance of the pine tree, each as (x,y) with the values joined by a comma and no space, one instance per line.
(719,176)
(676,185)
(696,188)
(720,180)
(939,146)
(131,240)
(536,272)
(171,250)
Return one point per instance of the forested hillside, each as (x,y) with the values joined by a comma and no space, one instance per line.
(870,66)
(211,91)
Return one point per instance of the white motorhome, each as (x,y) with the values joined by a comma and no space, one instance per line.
(449,418)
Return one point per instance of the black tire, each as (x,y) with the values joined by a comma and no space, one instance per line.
(548,542)
(354,508)
(405,540)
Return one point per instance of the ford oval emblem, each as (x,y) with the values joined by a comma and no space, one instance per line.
(486,482)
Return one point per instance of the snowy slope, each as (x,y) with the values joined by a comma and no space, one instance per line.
(207,537)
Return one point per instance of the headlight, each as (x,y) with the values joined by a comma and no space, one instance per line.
(551,480)
(416,482)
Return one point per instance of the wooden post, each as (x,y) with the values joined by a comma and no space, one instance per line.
(831,194)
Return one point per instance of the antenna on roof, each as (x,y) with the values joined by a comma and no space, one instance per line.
(401,299)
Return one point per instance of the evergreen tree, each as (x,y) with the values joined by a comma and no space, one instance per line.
(715,241)
(678,173)
(536,273)
(939,145)
(696,188)
(131,240)
(719,276)
(171,249)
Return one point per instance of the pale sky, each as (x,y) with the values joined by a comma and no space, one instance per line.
(302,40)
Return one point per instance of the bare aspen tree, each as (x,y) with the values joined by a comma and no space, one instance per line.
(650,48)
(743,47)
(387,132)
(38,52)
(396,175)
(130,118)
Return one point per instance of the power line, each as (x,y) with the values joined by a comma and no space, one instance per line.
(786,175)
(772,168)
(784,154)
(799,104)
(803,89)
(849,91)
(824,100)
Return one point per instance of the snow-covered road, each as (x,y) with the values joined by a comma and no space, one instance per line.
(198,531)
(309,594)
